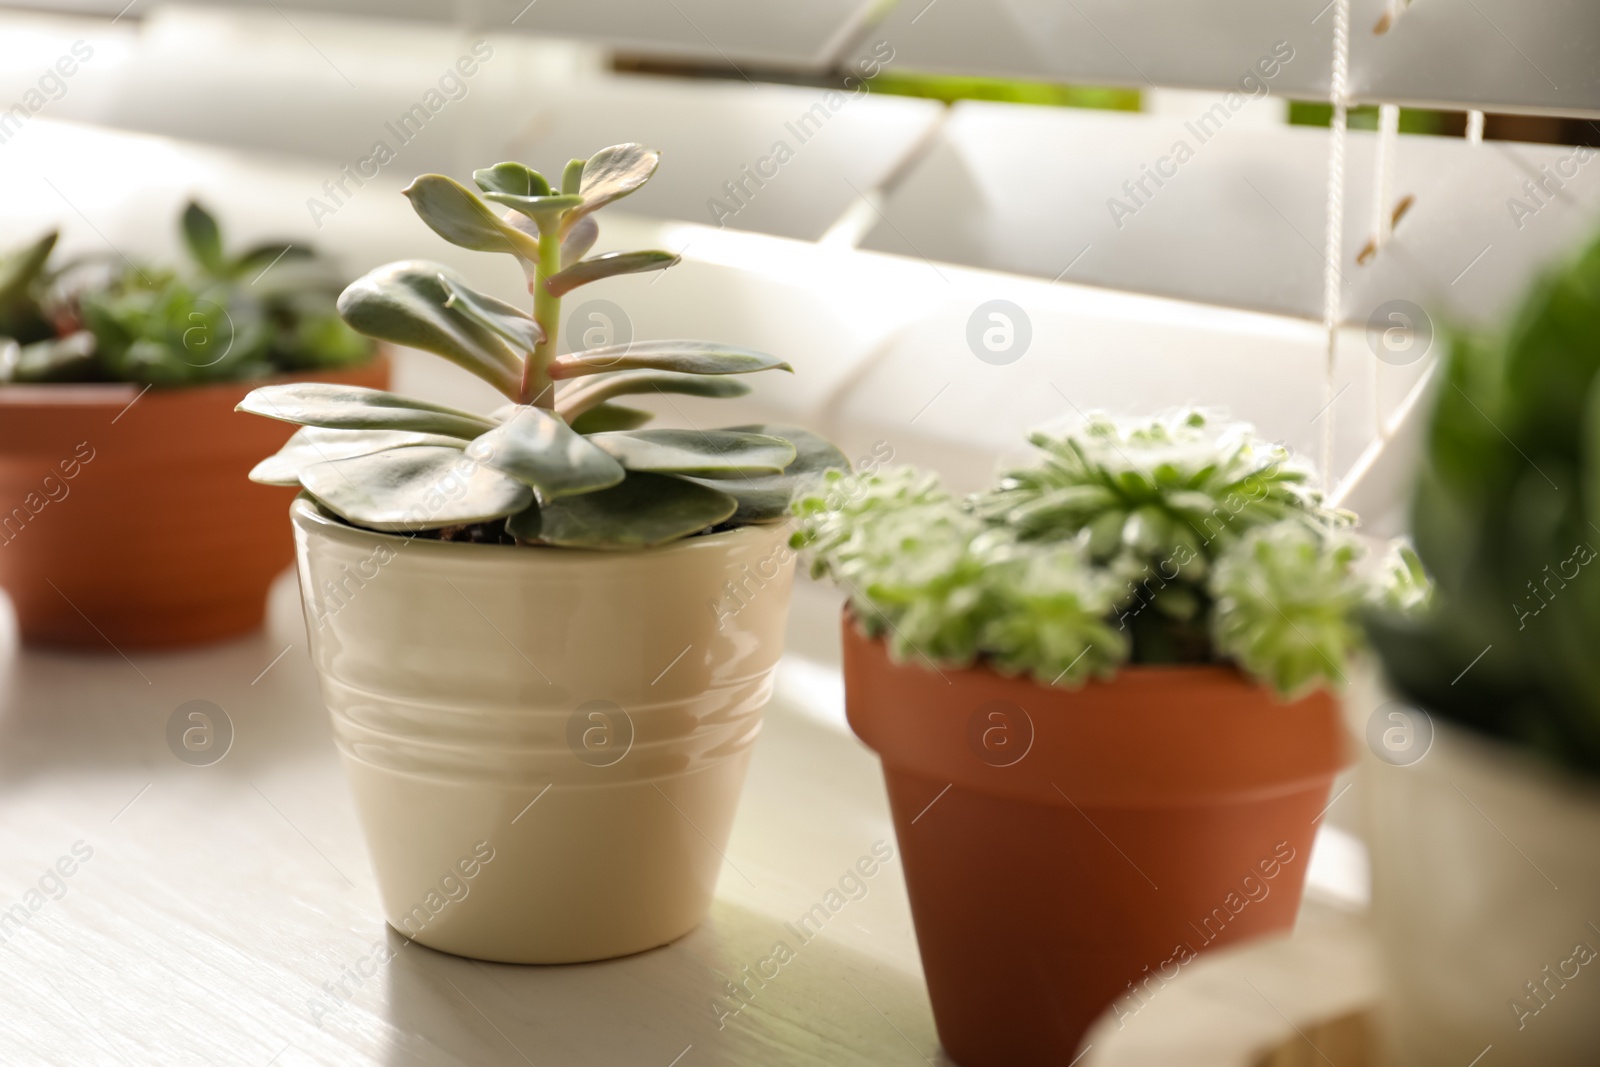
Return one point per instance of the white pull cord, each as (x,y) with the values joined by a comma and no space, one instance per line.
(1474,127)
(1383,173)
(1383,219)
(1333,250)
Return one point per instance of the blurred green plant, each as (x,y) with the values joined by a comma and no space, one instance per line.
(950,88)
(1506,515)
(1175,540)
(266,310)
(561,464)
(1412,119)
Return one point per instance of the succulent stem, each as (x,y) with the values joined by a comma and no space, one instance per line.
(537,389)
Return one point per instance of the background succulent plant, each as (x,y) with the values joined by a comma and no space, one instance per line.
(1506,515)
(1175,540)
(562,464)
(263,311)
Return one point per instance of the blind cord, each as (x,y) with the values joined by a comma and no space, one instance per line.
(1474,127)
(1383,220)
(1333,251)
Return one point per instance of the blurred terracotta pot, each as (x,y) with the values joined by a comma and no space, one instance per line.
(1066,848)
(127,520)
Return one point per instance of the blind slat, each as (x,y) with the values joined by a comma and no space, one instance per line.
(1498,55)
(1211,209)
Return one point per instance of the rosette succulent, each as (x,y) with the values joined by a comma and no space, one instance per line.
(562,463)
(1175,540)
(228,317)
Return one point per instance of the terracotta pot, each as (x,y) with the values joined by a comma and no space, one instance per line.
(1066,848)
(546,745)
(127,520)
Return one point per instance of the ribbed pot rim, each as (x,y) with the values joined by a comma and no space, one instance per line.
(434,732)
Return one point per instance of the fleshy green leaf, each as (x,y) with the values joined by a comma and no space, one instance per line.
(352,407)
(455,213)
(414,488)
(572,176)
(65,359)
(259,257)
(607,266)
(1055,508)
(538,449)
(1286,603)
(612,173)
(688,357)
(522,189)
(513,178)
(1096,554)
(922,573)
(708,453)
(605,417)
(316,444)
(523,225)
(766,497)
(574,243)
(578,240)
(643,511)
(406,303)
(508,322)
(596,390)
(535,207)
(19,267)
(203,238)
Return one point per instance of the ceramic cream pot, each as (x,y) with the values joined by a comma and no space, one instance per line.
(545,745)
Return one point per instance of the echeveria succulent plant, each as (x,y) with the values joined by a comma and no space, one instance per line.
(1178,540)
(255,314)
(562,464)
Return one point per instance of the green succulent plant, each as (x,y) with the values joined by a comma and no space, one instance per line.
(1156,503)
(256,314)
(1506,516)
(562,464)
(1174,540)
